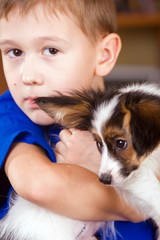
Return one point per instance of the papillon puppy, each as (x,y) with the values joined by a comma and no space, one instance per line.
(125,124)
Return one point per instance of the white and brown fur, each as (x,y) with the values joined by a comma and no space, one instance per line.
(125,123)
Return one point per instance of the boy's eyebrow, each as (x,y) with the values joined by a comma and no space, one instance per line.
(43,38)
(53,38)
(2,42)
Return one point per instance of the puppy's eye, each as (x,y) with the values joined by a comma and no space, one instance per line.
(121,144)
(99,146)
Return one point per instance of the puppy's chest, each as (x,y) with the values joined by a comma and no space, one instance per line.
(143,179)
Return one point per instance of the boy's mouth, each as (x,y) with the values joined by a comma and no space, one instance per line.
(31,102)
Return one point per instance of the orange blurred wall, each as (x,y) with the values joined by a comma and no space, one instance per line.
(3,85)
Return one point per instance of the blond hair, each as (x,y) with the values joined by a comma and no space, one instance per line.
(95,17)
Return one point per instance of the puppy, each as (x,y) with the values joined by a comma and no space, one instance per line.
(125,123)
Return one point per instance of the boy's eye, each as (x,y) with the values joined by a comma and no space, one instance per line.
(13,53)
(50,51)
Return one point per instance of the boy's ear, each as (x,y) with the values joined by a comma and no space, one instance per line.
(108,51)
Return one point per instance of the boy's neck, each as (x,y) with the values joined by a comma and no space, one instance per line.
(98,82)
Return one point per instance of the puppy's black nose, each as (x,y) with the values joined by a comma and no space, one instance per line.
(105,178)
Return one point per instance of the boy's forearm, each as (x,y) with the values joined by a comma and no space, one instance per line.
(85,198)
(62,188)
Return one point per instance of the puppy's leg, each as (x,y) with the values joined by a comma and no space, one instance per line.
(143,193)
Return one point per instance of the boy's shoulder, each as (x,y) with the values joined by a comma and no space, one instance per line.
(10,113)
(7,104)
(6,96)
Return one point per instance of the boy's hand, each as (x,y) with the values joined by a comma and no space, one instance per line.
(79,148)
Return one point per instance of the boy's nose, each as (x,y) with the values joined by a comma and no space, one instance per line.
(31,73)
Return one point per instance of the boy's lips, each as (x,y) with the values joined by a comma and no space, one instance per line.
(31,102)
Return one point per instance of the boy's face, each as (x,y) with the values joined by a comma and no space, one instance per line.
(42,54)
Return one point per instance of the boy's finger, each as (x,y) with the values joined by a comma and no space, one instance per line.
(64,134)
(60,148)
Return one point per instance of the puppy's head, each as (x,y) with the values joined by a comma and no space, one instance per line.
(127,130)
(126,126)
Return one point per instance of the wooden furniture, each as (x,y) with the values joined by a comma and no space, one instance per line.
(3,85)
(140,33)
(139,20)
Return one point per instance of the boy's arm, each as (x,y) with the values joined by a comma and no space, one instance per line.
(65,189)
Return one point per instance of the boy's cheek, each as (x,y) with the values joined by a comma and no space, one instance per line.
(38,117)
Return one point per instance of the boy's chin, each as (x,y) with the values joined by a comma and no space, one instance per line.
(40,118)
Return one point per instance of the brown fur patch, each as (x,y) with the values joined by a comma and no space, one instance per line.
(71,116)
(147,109)
(128,157)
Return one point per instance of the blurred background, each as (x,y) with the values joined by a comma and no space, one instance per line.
(139,29)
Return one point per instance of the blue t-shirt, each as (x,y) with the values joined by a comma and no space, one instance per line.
(15,126)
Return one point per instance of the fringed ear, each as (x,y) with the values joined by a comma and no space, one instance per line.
(70,111)
(145,120)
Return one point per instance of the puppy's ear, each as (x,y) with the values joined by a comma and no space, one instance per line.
(70,111)
(144,122)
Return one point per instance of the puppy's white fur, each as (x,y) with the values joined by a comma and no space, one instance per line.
(27,221)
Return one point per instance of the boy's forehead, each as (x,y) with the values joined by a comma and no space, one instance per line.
(39,25)
(63,22)
(38,10)
(39,14)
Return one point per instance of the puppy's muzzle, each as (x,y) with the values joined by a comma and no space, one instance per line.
(106,178)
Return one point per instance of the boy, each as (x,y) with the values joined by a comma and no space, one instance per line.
(48,46)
